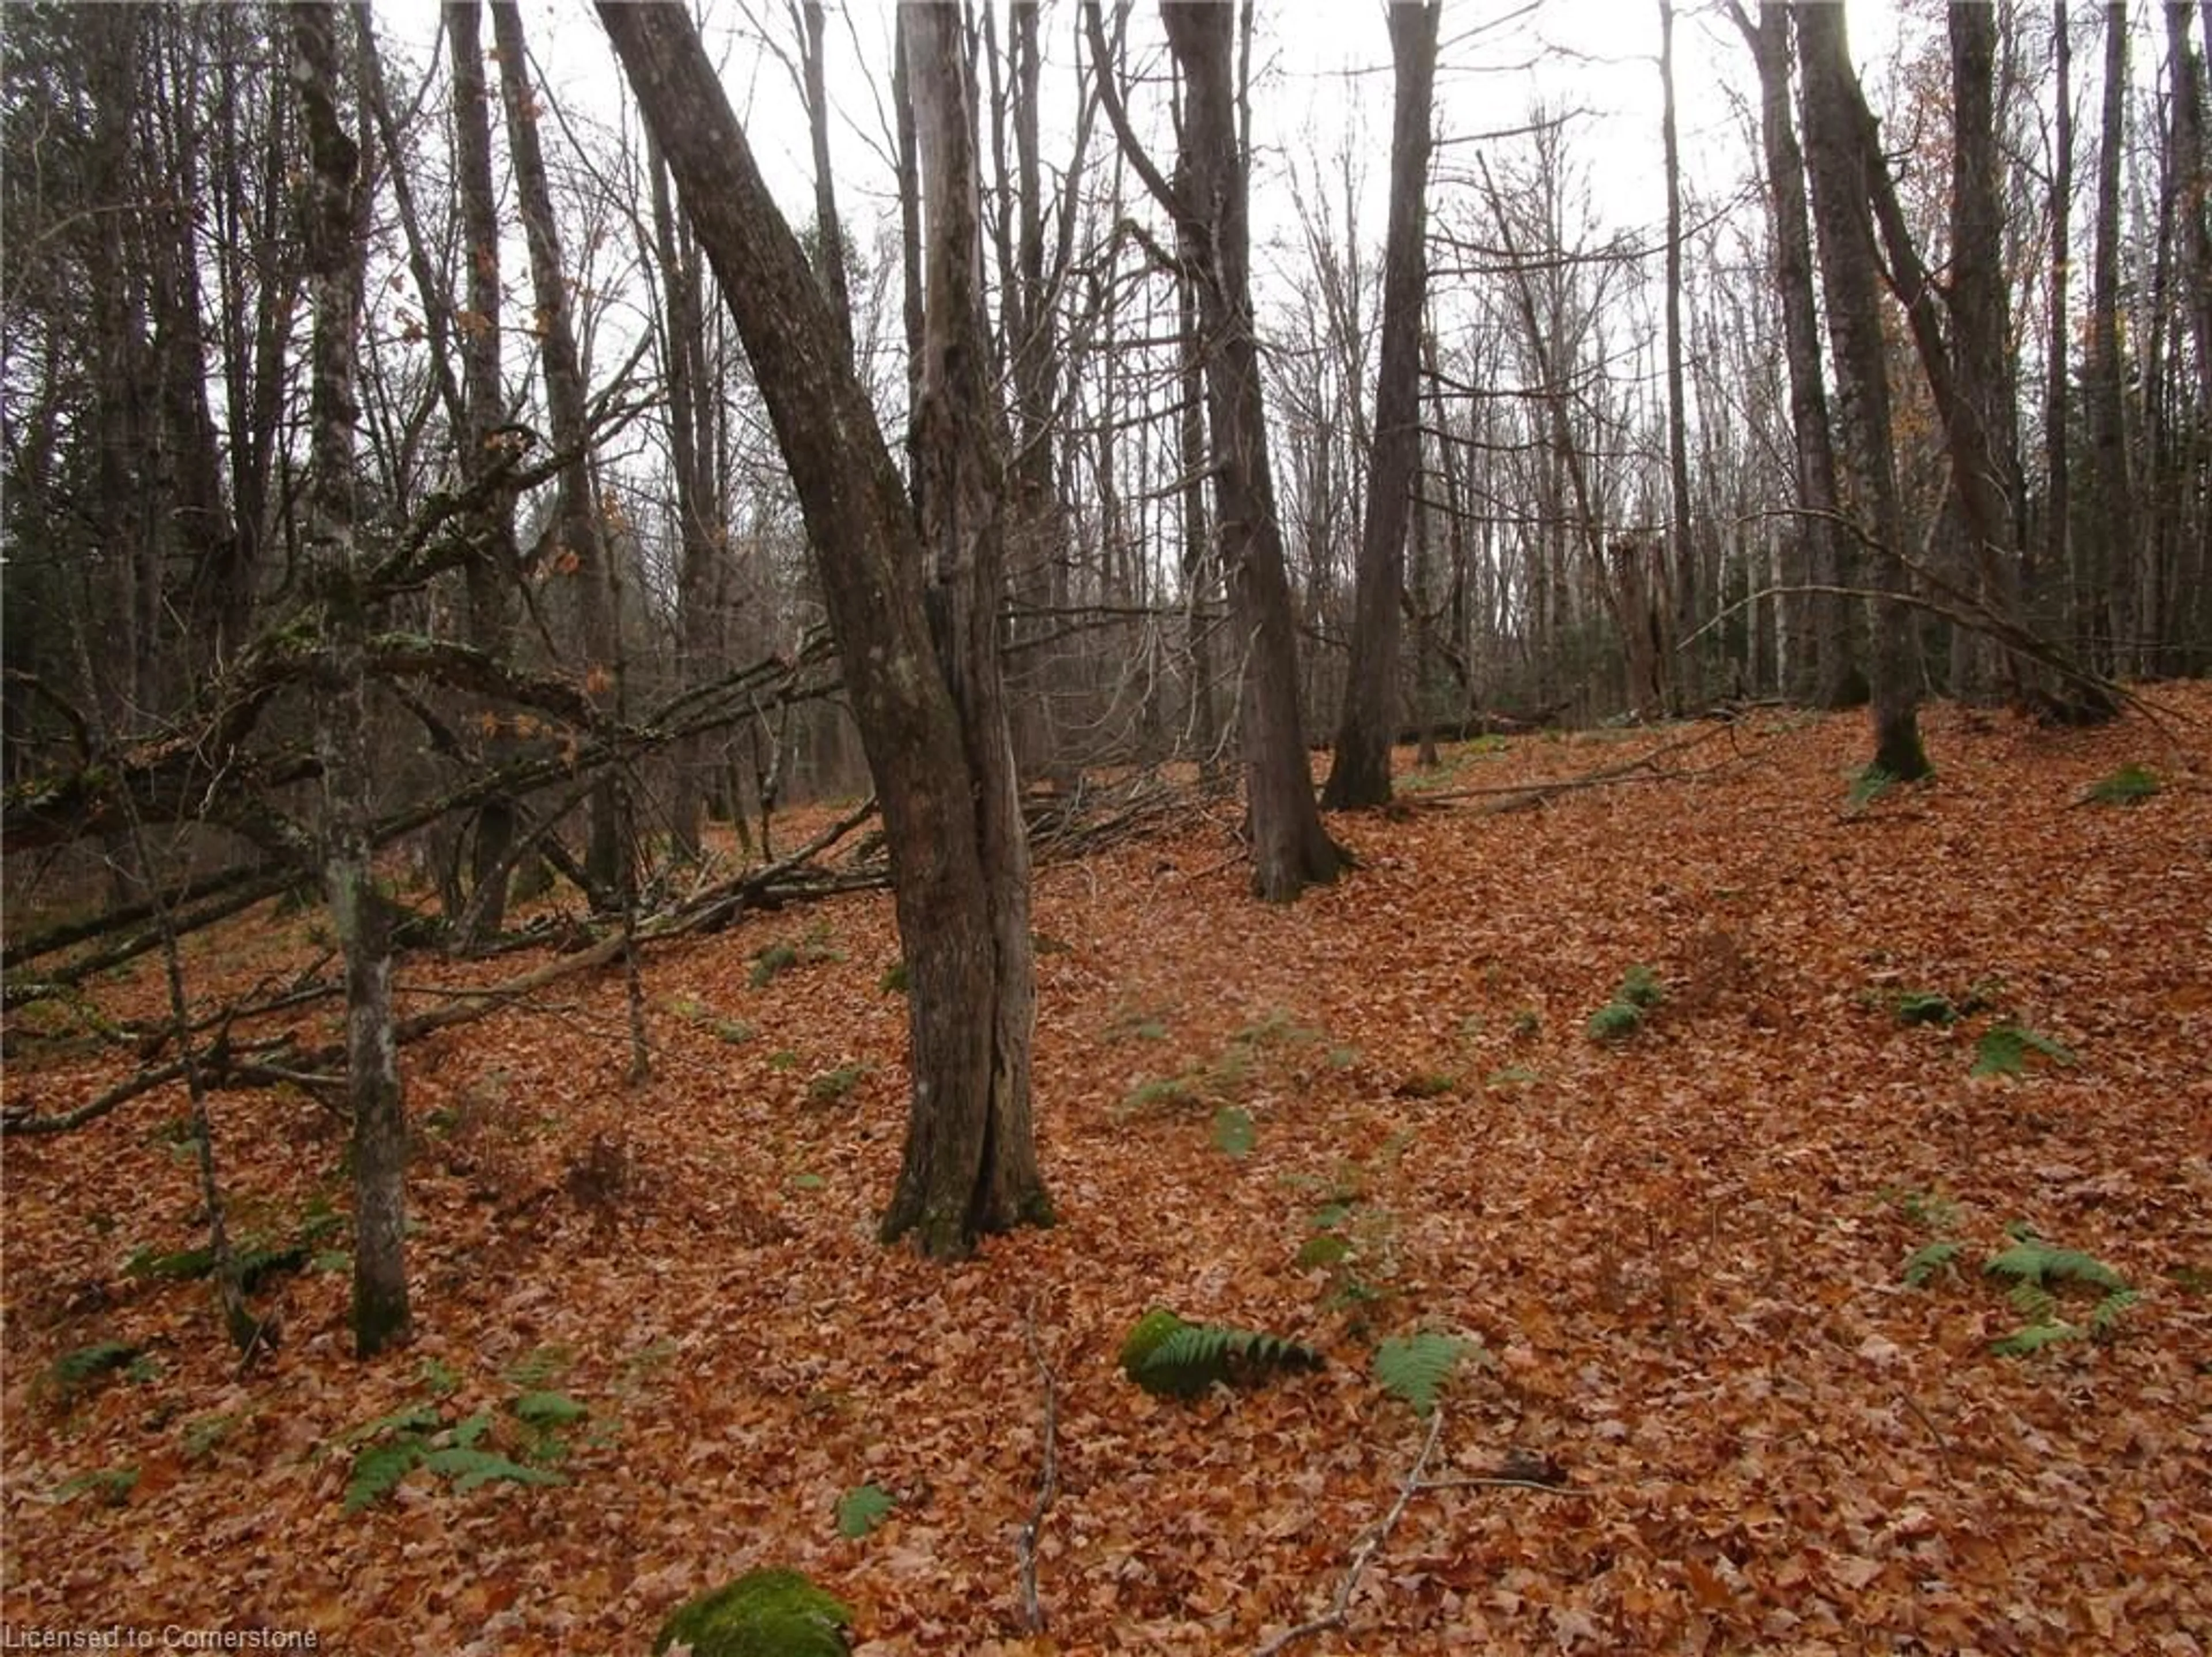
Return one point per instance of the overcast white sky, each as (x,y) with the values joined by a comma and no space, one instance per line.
(1323,72)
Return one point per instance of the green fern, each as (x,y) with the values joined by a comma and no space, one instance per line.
(378,1470)
(2131,785)
(2031,1338)
(2039,1270)
(1172,1358)
(1415,1367)
(2004,1050)
(2032,1260)
(73,1372)
(1641,987)
(1924,1262)
(469,1468)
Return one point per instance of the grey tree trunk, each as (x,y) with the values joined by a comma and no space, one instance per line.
(336,243)
(961,444)
(1822,639)
(1360,772)
(1836,156)
(2108,556)
(1681,676)
(970,1152)
(2058,344)
(1209,201)
(566,402)
(496,561)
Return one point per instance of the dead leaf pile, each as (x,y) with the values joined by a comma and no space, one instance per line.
(1682,1251)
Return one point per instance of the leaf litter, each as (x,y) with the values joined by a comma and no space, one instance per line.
(1682,1252)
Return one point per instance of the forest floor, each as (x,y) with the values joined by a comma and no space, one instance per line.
(1714,1414)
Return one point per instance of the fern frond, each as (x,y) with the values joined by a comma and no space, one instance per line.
(378,1470)
(1924,1262)
(1172,1358)
(469,1468)
(2033,1337)
(1415,1367)
(2033,1260)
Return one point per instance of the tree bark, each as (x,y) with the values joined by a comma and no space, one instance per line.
(1209,200)
(968,1138)
(1681,675)
(2108,556)
(1360,772)
(1823,656)
(494,560)
(1837,157)
(566,403)
(336,246)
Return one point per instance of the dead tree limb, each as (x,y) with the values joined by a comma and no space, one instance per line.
(1362,1555)
(1025,1547)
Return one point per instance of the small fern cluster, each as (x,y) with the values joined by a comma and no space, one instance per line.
(1640,991)
(2039,1271)
(1172,1358)
(390,1447)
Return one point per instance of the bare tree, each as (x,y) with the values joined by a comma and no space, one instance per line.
(359,914)
(1836,153)
(1360,773)
(1209,202)
(970,1163)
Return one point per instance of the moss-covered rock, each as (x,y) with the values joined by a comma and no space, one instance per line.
(1145,1337)
(763,1613)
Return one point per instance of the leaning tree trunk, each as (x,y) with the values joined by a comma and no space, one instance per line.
(359,914)
(1291,849)
(1836,159)
(969,1143)
(1360,773)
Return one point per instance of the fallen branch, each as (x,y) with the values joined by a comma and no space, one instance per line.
(1339,1612)
(1026,1545)
(1517,796)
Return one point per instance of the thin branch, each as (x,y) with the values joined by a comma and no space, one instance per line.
(1026,1545)
(1362,1555)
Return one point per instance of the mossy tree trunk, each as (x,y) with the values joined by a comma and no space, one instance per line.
(335,241)
(958,882)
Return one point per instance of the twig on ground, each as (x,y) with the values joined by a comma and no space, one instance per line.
(1026,1546)
(1362,1555)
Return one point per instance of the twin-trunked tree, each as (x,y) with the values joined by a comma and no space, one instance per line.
(912,596)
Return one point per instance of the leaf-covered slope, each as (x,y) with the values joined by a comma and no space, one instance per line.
(1683,1251)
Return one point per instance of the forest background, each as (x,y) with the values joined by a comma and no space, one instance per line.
(474,562)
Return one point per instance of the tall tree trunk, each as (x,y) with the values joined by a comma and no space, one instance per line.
(2058,345)
(336,244)
(1823,656)
(2109,558)
(1210,202)
(969,1143)
(829,233)
(1686,682)
(494,560)
(1836,157)
(961,443)
(566,402)
(1360,773)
